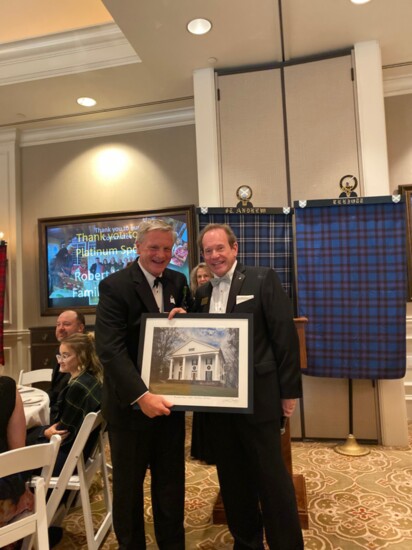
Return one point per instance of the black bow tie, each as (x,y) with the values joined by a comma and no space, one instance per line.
(157,281)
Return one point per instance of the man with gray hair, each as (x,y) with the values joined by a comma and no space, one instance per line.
(142,428)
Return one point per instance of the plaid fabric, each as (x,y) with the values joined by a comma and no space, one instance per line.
(3,261)
(265,240)
(351,263)
(82,395)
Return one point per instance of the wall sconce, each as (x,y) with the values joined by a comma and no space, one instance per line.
(2,241)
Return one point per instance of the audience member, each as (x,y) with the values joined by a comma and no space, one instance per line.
(257,491)
(14,497)
(81,395)
(199,275)
(142,428)
(69,322)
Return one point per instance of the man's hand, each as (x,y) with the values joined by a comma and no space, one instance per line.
(288,406)
(154,405)
(174,311)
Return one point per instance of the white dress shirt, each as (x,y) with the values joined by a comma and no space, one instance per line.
(220,293)
(157,290)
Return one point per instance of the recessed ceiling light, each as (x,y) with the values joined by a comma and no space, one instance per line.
(199,26)
(86,101)
(360,1)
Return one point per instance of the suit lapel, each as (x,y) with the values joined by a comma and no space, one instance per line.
(205,298)
(237,282)
(143,289)
(169,294)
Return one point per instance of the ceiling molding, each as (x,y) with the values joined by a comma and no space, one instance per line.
(397,85)
(82,50)
(138,123)
(10,135)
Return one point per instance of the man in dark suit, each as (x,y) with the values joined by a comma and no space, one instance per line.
(142,428)
(257,491)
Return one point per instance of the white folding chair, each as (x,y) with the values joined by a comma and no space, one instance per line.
(27,378)
(20,460)
(79,482)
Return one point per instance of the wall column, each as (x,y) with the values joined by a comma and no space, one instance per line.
(10,225)
(208,173)
(374,163)
(371,112)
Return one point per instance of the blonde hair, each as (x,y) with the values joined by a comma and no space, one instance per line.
(83,347)
(193,275)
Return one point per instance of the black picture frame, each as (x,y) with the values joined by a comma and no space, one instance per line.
(199,362)
(406,192)
(69,246)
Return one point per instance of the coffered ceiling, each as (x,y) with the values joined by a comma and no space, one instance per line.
(136,57)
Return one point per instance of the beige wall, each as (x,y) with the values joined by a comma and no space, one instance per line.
(398,111)
(321,132)
(143,171)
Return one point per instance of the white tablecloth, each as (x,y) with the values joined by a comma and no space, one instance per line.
(36,406)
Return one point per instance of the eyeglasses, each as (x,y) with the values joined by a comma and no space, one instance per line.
(62,357)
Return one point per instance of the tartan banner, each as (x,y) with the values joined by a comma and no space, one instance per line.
(3,261)
(351,285)
(265,240)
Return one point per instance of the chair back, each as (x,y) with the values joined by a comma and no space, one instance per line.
(22,460)
(77,475)
(27,378)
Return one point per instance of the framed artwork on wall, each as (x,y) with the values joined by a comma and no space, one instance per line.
(406,191)
(77,252)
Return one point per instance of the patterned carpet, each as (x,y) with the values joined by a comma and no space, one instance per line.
(354,503)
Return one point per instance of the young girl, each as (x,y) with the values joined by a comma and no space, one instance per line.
(82,394)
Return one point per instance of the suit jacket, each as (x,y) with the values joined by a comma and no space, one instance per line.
(276,357)
(124,296)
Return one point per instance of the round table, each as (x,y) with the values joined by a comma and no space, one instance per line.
(36,406)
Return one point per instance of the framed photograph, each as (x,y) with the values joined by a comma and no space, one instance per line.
(200,362)
(77,252)
(406,191)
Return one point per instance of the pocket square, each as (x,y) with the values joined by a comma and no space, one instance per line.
(241,299)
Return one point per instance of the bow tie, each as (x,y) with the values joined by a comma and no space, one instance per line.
(157,281)
(217,280)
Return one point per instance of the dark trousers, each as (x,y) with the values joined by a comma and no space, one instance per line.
(34,436)
(160,444)
(256,488)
